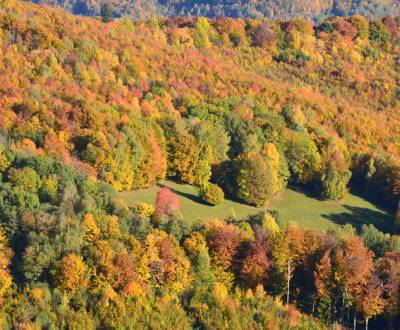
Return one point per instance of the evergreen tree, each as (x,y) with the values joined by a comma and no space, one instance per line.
(105,13)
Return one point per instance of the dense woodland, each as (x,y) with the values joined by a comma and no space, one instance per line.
(272,9)
(238,108)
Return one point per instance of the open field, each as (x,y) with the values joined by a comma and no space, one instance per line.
(309,212)
(191,206)
(292,205)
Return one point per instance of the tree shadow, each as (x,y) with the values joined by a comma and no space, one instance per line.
(305,190)
(357,216)
(192,197)
(370,196)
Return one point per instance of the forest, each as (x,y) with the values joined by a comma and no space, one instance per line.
(272,9)
(238,108)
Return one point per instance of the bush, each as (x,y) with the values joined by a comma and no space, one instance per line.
(212,194)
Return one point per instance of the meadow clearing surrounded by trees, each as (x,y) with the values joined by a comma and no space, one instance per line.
(291,205)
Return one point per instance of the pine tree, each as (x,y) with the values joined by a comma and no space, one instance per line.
(105,12)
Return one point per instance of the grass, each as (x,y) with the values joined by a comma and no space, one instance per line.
(192,208)
(309,212)
(292,205)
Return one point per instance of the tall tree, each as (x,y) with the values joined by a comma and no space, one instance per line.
(105,13)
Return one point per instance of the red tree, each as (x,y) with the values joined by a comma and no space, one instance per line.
(167,202)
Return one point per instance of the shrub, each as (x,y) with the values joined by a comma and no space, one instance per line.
(212,194)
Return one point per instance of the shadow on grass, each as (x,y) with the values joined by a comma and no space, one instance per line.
(305,190)
(196,198)
(192,197)
(363,192)
(357,216)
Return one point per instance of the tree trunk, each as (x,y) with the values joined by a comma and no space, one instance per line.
(355,321)
(366,323)
(390,324)
(313,304)
(288,282)
(343,311)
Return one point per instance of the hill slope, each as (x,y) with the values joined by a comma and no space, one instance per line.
(132,103)
(235,8)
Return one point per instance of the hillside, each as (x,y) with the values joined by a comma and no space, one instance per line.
(271,9)
(132,103)
(235,111)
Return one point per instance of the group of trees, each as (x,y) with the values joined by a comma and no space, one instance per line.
(255,9)
(235,107)
(131,116)
(74,255)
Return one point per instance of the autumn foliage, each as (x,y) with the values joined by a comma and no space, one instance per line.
(167,202)
(237,107)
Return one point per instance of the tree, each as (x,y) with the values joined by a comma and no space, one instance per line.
(4,162)
(272,159)
(370,301)
(92,232)
(25,179)
(323,277)
(73,273)
(334,182)
(223,243)
(166,261)
(353,266)
(201,33)
(362,26)
(378,32)
(167,202)
(388,269)
(5,259)
(374,239)
(304,167)
(264,35)
(105,13)
(184,156)
(253,179)
(211,194)
(255,264)
(397,219)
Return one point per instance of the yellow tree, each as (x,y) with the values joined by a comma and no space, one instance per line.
(271,155)
(92,232)
(370,302)
(5,255)
(73,273)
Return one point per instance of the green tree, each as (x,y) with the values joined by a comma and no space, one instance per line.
(25,179)
(105,13)
(334,182)
(303,157)
(378,32)
(253,179)
(211,194)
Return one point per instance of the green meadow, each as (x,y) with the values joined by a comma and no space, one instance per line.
(292,206)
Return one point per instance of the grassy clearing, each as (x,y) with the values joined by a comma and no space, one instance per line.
(292,205)
(309,212)
(192,208)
